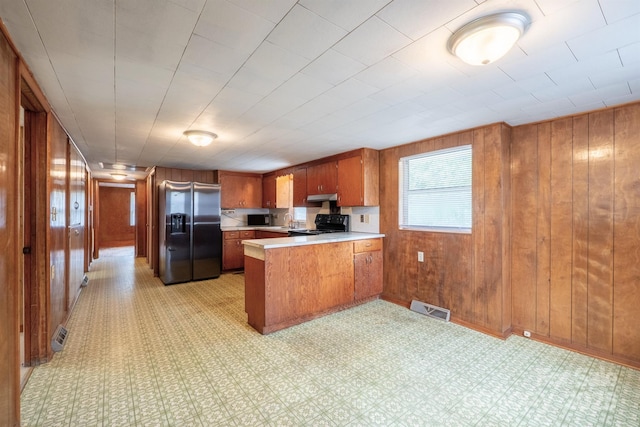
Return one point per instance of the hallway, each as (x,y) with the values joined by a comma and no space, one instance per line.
(140,353)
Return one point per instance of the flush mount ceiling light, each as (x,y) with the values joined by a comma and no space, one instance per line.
(201,138)
(119,176)
(487,39)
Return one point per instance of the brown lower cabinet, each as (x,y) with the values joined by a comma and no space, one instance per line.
(367,262)
(232,249)
(293,284)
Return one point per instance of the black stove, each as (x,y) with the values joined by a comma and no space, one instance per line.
(325,223)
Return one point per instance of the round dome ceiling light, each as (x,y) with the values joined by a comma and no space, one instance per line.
(487,39)
(200,138)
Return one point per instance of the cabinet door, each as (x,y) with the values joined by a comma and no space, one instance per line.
(368,274)
(230,191)
(300,187)
(232,254)
(252,192)
(240,191)
(322,178)
(350,191)
(269,191)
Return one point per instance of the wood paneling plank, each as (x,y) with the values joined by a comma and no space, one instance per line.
(524,203)
(493,239)
(600,264)
(561,229)
(580,230)
(478,292)
(543,229)
(626,287)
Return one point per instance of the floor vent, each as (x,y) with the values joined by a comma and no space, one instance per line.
(430,310)
(85,281)
(59,338)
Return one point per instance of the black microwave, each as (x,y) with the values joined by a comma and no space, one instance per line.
(258,219)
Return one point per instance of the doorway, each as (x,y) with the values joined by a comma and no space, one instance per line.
(32,135)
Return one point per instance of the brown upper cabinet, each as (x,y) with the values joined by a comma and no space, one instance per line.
(269,191)
(240,190)
(300,187)
(358,179)
(322,178)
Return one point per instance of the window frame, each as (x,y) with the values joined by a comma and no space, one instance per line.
(402,188)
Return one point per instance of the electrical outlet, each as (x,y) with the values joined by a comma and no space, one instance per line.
(228,212)
(527,334)
(361,218)
(420,256)
(366,218)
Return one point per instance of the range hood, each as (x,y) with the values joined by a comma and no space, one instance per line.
(322,197)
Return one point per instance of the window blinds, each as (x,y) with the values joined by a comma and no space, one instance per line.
(435,190)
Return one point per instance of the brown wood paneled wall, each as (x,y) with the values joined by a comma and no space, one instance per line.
(576,222)
(9,239)
(76,224)
(141,218)
(114,209)
(466,273)
(58,233)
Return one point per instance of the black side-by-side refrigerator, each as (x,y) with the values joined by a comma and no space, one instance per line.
(190,241)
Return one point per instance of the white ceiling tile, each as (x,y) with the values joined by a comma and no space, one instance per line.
(585,67)
(372,41)
(535,82)
(550,6)
(273,10)
(386,73)
(616,35)
(530,66)
(630,54)
(597,95)
(479,100)
(564,90)
(548,30)
(438,97)
(352,90)
(614,10)
(398,93)
(549,107)
(506,107)
(303,86)
(275,62)
(415,18)
(346,14)
(616,75)
(333,67)
(305,33)
(213,56)
(232,26)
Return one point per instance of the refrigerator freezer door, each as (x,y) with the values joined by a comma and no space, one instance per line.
(175,238)
(207,236)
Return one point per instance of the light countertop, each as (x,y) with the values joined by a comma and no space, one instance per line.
(281,242)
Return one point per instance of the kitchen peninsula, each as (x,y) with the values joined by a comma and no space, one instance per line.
(291,280)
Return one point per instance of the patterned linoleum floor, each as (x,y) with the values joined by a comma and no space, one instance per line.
(140,353)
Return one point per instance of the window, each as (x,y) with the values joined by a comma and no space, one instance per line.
(132,209)
(435,190)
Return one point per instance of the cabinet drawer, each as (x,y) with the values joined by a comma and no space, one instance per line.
(247,234)
(231,235)
(368,245)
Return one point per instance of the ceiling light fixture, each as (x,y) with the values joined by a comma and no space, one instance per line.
(487,39)
(201,138)
(119,166)
(119,176)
